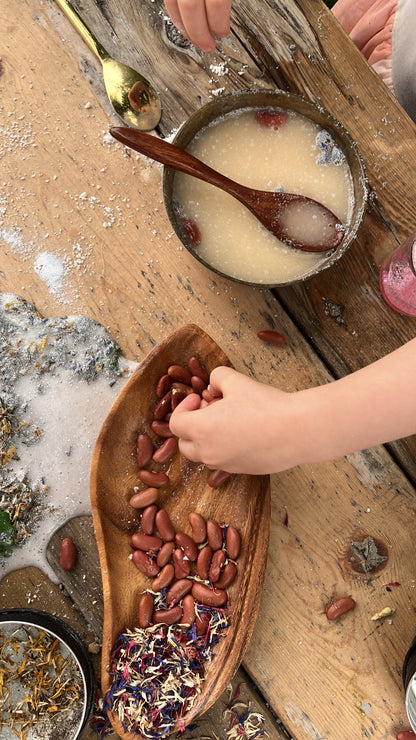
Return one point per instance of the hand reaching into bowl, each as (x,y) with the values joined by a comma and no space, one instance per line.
(200,22)
(254,428)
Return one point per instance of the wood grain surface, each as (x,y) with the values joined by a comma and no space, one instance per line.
(68,191)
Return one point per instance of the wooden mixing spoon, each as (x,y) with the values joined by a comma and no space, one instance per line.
(296,220)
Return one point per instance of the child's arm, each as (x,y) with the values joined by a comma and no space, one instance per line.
(201,20)
(255,428)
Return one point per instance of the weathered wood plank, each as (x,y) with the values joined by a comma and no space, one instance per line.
(70,193)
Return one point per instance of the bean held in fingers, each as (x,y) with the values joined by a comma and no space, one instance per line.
(166,451)
(217,477)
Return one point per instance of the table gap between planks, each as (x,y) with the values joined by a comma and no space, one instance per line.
(332,681)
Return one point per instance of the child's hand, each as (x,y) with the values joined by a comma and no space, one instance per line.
(237,431)
(201,20)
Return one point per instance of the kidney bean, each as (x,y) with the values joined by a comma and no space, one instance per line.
(192,231)
(188,610)
(147,522)
(178,591)
(144,450)
(166,451)
(165,553)
(340,607)
(233,542)
(68,554)
(177,398)
(217,564)
(196,368)
(198,385)
(201,623)
(164,578)
(227,576)
(270,119)
(163,385)
(182,565)
(217,477)
(187,544)
(164,525)
(161,428)
(272,337)
(209,397)
(145,542)
(145,610)
(156,480)
(198,526)
(214,534)
(179,373)
(208,596)
(203,562)
(163,407)
(145,564)
(142,499)
(406,735)
(167,616)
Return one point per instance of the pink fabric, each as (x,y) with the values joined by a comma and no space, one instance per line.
(369,24)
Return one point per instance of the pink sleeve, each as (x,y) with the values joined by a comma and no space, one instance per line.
(369,23)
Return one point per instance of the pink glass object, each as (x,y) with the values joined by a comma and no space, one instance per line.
(398,278)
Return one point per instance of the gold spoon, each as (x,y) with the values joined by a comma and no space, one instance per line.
(296,220)
(131,95)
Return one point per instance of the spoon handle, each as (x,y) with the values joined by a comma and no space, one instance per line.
(83,30)
(172,156)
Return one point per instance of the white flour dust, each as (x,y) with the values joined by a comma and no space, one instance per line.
(58,380)
(51,270)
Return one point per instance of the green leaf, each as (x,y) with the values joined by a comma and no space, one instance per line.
(6,533)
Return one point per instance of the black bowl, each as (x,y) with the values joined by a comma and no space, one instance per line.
(57,628)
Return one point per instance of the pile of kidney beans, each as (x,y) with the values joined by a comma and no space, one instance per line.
(186,569)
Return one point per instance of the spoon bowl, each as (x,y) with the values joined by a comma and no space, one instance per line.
(243,501)
(298,221)
(132,96)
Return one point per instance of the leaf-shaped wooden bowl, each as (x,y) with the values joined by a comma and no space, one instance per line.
(242,501)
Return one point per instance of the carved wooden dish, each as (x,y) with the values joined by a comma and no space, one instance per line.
(242,501)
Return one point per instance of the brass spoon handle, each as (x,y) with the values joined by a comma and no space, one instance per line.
(83,30)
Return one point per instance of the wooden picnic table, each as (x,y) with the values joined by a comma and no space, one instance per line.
(313,680)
